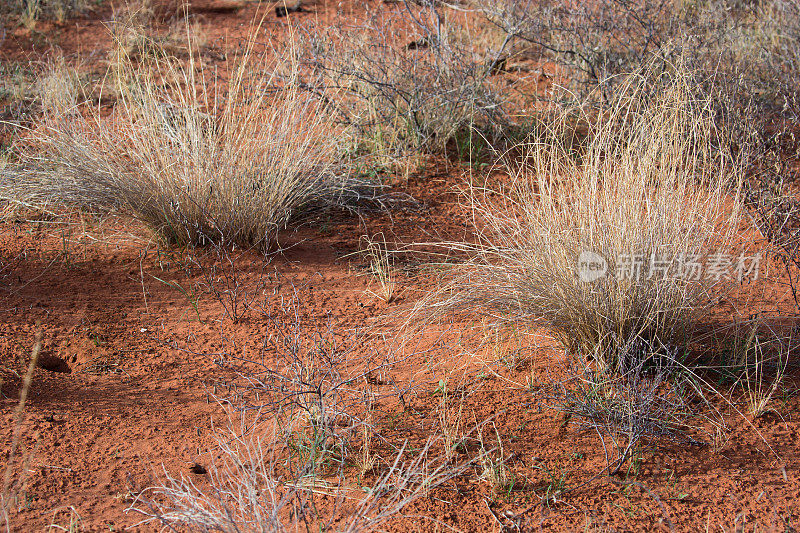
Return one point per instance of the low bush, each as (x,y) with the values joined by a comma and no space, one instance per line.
(195,156)
(644,398)
(609,240)
(407,80)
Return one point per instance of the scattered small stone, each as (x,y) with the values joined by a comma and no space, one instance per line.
(198,469)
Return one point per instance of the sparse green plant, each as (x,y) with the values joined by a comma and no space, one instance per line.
(503,344)
(73,525)
(555,483)
(188,293)
(380,265)
(30,13)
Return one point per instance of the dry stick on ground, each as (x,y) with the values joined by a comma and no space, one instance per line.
(5,496)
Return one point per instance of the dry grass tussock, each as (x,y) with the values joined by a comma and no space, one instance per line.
(194,155)
(651,181)
(29,12)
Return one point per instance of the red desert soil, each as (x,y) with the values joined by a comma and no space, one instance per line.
(130,366)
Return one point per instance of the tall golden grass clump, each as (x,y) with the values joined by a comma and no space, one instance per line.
(650,192)
(194,155)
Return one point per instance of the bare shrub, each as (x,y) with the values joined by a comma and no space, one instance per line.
(298,409)
(592,39)
(775,210)
(249,490)
(216,270)
(646,202)
(644,398)
(749,46)
(407,79)
(316,382)
(191,161)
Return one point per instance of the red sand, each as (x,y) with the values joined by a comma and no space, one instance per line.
(133,400)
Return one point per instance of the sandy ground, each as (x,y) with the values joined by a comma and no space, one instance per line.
(130,364)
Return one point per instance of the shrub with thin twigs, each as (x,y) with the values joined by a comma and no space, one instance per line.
(752,45)
(647,196)
(305,401)
(643,398)
(192,161)
(249,490)
(406,80)
(215,270)
(315,382)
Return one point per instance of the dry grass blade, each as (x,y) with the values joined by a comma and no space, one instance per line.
(762,359)
(9,484)
(380,265)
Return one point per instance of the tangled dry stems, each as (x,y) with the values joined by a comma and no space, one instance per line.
(645,397)
(407,80)
(297,413)
(250,491)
